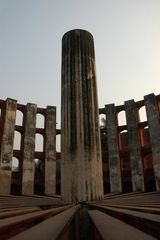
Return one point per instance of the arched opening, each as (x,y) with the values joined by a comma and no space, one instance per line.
(15,164)
(150,186)
(142,114)
(149,177)
(104,142)
(2,115)
(106,177)
(58,176)
(102,123)
(39,120)
(158,104)
(17,140)
(121,118)
(38,165)
(38,189)
(106,187)
(15,189)
(127,187)
(102,120)
(126,172)
(15,177)
(145,137)
(19,118)
(58,143)
(123,140)
(38,176)
(39,143)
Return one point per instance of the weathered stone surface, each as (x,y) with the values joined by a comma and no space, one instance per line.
(81,166)
(154,131)
(7,147)
(29,149)
(50,151)
(134,146)
(113,151)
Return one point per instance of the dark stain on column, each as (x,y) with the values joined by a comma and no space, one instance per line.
(73,137)
(86,86)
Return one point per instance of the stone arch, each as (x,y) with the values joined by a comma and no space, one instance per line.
(39,142)
(122,118)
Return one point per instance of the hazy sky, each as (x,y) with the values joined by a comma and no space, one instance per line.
(127,46)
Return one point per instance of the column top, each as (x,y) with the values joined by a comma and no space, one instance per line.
(76,31)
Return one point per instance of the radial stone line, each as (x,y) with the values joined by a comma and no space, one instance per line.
(81,168)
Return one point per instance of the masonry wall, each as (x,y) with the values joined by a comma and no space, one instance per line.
(136,148)
(27,149)
(146,123)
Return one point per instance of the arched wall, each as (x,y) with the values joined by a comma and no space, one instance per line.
(19,126)
(131,141)
(132,144)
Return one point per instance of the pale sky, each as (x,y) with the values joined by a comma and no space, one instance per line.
(127,45)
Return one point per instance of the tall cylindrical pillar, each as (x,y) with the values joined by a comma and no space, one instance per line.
(81,165)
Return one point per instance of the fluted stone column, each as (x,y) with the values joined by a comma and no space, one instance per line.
(81,165)
(134,146)
(113,150)
(154,131)
(50,151)
(29,150)
(7,147)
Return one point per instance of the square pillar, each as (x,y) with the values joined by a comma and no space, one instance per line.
(113,149)
(50,151)
(154,131)
(29,150)
(7,147)
(134,146)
